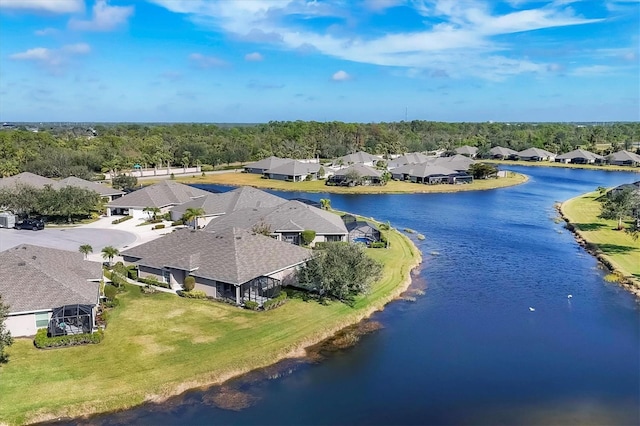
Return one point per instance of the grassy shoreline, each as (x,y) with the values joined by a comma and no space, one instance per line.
(392,187)
(606,168)
(615,249)
(160,345)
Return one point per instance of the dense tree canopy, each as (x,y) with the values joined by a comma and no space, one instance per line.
(61,152)
(5,336)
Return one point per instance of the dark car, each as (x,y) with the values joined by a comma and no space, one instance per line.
(33,224)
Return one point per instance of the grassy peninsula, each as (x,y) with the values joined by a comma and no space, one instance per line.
(392,187)
(160,345)
(600,236)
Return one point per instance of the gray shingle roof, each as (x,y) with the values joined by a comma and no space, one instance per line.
(268,163)
(455,162)
(26,178)
(295,168)
(410,158)
(625,156)
(535,152)
(38,278)
(361,169)
(423,170)
(234,256)
(161,194)
(505,152)
(103,190)
(579,153)
(358,157)
(227,202)
(467,150)
(290,216)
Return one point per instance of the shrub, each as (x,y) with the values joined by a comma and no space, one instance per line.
(122,219)
(274,303)
(110,292)
(250,304)
(321,245)
(206,168)
(132,274)
(193,294)
(43,341)
(378,244)
(189,283)
(177,223)
(153,281)
(111,303)
(308,236)
(172,176)
(159,226)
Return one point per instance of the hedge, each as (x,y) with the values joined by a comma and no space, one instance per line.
(153,281)
(177,223)
(193,294)
(42,341)
(122,219)
(274,303)
(250,304)
(159,226)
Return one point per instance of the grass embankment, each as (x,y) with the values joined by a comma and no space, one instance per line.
(564,165)
(617,248)
(161,345)
(392,187)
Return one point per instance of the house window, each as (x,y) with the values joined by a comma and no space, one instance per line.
(333,238)
(42,319)
(166,276)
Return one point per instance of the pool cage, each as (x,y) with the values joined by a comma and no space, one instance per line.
(71,319)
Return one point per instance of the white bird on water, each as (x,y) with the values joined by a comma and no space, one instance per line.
(532,309)
(569,296)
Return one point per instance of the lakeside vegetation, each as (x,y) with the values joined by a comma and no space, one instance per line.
(604,167)
(602,236)
(392,187)
(160,345)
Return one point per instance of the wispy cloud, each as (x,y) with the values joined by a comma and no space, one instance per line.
(46,32)
(47,6)
(253,57)
(53,60)
(203,61)
(340,76)
(104,17)
(593,71)
(261,85)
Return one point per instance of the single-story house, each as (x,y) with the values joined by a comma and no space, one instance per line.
(360,230)
(26,179)
(360,157)
(162,195)
(259,167)
(37,281)
(580,156)
(215,205)
(624,158)
(410,158)
(285,222)
(234,264)
(365,176)
(430,174)
(467,151)
(536,154)
(105,191)
(501,153)
(294,171)
(456,162)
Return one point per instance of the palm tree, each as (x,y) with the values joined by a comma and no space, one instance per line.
(85,249)
(109,252)
(153,211)
(325,203)
(192,214)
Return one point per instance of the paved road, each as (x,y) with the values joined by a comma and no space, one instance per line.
(66,238)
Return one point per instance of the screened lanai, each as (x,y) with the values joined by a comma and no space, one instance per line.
(71,319)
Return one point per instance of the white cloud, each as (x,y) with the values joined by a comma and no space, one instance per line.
(381,5)
(202,61)
(105,17)
(592,71)
(253,57)
(46,32)
(54,60)
(48,6)
(340,76)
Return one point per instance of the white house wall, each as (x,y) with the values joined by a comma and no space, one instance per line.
(22,325)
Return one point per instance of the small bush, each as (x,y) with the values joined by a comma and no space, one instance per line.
(110,292)
(250,304)
(420,237)
(132,274)
(172,176)
(378,244)
(153,281)
(274,303)
(159,226)
(111,303)
(206,168)
(189,283)
(122,219)
(177,223)
(193,294)
(321,245)
(43,341)
(308,235)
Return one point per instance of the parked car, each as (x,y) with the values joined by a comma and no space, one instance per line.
(33,224)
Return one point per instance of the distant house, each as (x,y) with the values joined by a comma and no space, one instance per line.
(624,158)
(360,157)
(536,154)
(215,205)
(500,153)
(467,151)
(36,281)
(294,171)
(26,179)
(285,222)
(430,174)
(260,167)
(234,264)
(162,195)
(456,162)
(410,158)
(580,156)
(105,191)
(366,176)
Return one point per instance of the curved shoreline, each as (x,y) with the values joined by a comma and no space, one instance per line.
(87,409)
(627,282)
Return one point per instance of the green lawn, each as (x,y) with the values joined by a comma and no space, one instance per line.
(618,247)
(393,187)
(567,166)
(160,345)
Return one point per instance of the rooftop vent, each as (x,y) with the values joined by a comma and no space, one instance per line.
(22,264)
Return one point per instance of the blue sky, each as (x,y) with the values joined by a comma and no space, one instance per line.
(348,60)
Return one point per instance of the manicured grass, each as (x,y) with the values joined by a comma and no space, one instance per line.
(393,187)
(618,247)
(563,165)
(159,345)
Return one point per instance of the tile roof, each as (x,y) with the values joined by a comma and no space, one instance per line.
(234,255)
(26,178)
(103,190)
(38,278)
(227,202)
(291,216)
(161,194)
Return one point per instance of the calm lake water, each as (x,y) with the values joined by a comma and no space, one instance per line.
(468,351)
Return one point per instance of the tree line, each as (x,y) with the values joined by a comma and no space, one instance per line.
(58,152)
